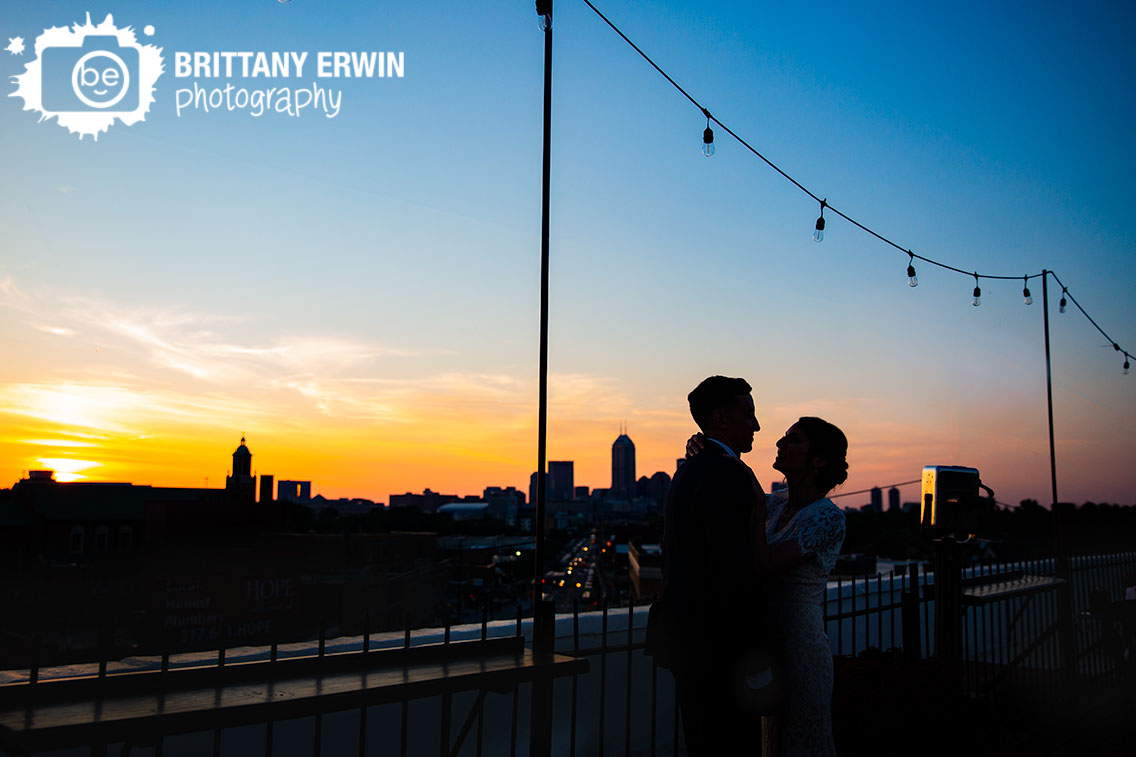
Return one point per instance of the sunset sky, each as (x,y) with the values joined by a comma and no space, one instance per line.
(359,295)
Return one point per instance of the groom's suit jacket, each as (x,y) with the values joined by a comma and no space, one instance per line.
(712,595)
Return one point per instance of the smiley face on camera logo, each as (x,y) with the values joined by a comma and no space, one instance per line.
(89,76)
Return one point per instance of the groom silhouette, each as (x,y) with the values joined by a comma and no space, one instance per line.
(711,591)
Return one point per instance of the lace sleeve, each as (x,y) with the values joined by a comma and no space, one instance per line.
(774,499)
(822,533)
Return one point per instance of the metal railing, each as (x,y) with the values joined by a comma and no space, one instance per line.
(625,705)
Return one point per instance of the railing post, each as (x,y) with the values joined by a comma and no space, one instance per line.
(33,673)
(909,616)
(1067,629)
(104,645)
(948,602)
(540,723)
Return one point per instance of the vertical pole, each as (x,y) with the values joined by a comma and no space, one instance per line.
(575,676)
(1058,552)
(544,9)
(909,616)
(840,617)
(880,611)
(1061,559)
(948,607)
(630,660)
(544,613)
(602,731)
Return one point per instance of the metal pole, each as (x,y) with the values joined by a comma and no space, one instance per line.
(1049,395)
(544,613)
(1059,565)
(1067,638)
(544,9)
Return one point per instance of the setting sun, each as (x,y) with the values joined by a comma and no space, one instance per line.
(67,469)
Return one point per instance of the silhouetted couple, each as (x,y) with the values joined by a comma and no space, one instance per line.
(744,578)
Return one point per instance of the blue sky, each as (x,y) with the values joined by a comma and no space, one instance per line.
(359,294)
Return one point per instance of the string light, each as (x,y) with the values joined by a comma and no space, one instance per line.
(707,137)
(818,235)
(1125,371)
(1061,305)
(1025,291)
(708,150)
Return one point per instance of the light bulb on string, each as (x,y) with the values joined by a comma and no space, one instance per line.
(912,279)
(1061,305)
(707,136)
(1125,371)
(977,292)
(1026,291)
(818,234)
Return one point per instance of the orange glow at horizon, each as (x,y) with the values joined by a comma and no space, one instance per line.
(67,469)
(457,440)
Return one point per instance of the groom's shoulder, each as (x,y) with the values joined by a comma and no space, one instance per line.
(712,465)
(706,460)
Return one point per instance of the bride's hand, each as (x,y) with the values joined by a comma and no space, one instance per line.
(695,444)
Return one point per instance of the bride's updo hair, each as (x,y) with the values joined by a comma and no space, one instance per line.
(829,442)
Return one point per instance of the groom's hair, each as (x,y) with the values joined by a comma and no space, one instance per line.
(715,393)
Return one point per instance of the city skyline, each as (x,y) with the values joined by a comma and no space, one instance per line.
(358,294)
(561,482)
(301,490)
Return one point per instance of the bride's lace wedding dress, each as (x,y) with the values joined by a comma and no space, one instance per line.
(796,616)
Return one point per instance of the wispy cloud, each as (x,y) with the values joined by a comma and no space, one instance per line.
(205,347)
(115,409)
(9,291)
(57,443)
(57,330)
(178,375)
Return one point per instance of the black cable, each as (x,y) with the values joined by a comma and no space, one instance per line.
(865,491)
(636,48)
(1065,291)
(777,168)
(824,202)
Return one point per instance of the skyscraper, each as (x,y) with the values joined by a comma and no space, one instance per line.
(623,467)
(561,483)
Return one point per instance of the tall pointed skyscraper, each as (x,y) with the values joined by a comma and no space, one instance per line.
(623,467)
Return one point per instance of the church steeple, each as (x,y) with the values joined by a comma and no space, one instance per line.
(242,460)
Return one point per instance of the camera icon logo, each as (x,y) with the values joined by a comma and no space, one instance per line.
(101,75)
(87,77)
